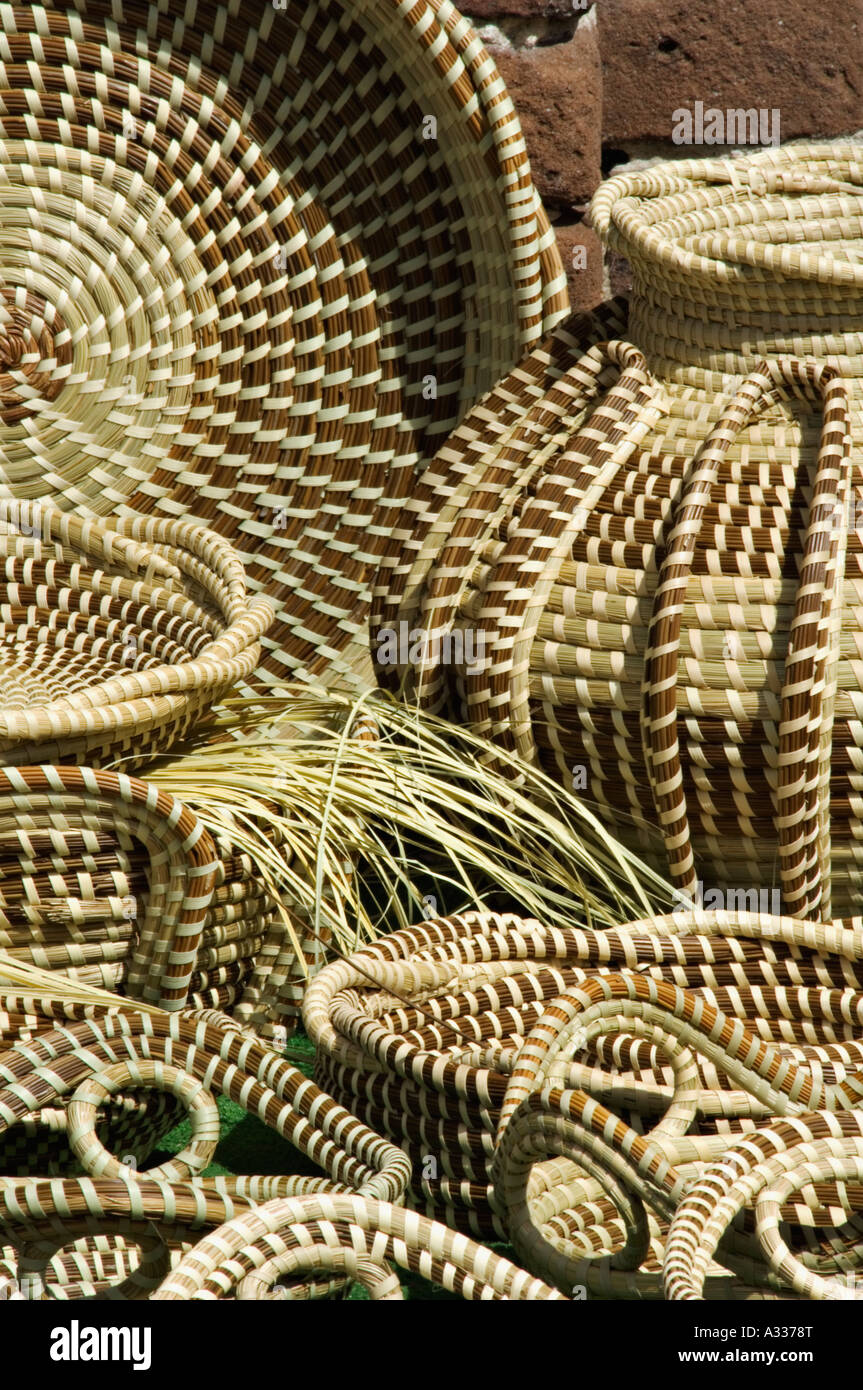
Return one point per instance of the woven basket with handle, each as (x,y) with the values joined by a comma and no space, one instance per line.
(113,882)
(655,527)
(255,264)
(670,1108)
(83,1074)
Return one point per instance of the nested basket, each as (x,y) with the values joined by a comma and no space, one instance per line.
(115,640)
(653,533)
(670,1108)
(256,262)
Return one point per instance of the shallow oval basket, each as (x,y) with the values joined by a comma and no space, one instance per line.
(114,641)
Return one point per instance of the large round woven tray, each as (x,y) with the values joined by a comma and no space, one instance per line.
(255,263)
(654,533)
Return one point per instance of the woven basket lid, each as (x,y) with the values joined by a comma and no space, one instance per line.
(737,260)
(255,267)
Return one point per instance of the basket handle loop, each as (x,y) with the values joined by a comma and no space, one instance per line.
(801,812)
(508,466)
(182,867)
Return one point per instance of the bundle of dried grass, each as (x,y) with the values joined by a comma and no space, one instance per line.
(364,814)
(287,829)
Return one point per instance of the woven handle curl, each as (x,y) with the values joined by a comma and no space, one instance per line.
(803,764)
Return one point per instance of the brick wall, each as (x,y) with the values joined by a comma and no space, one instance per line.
(597,85)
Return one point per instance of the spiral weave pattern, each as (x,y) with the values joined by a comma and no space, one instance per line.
(252,269)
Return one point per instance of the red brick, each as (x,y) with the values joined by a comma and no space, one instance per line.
(585,285)
(521,9)
(660,55)
(557,92)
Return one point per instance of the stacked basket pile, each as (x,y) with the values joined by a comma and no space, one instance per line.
(640,560)
(250,276)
